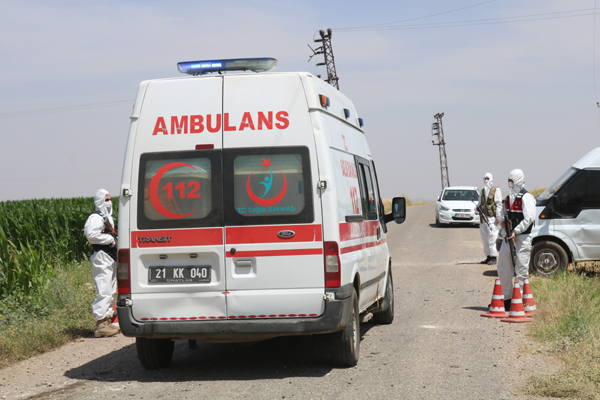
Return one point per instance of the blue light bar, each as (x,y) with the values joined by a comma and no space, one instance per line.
(235,64)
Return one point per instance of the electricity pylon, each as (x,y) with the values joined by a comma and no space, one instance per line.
(437,131)
(327,52)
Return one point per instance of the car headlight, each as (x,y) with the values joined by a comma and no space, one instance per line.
(444,208)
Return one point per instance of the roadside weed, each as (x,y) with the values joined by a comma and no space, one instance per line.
(568,322)
(31,324)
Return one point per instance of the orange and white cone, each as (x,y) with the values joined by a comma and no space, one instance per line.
(517,313)
(115,320)
(497,305)
(528,302)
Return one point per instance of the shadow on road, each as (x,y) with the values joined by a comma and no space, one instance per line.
(491,272)
(484,309)
(279,358)
(453,226)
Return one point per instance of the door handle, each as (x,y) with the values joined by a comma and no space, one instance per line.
(243,263)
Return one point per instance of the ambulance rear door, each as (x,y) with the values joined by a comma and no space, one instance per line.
(273,238)
(176,219)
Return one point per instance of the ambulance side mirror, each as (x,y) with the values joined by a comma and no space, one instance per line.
(398,213)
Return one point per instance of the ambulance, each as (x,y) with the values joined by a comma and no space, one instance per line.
(249,209)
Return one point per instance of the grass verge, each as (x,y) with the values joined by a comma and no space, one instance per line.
(568,324)
(59,312)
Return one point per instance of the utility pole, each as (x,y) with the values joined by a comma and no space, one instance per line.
(327,52)
(437,131)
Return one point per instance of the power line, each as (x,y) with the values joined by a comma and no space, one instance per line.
(49,110)
(414,19)
(481,21)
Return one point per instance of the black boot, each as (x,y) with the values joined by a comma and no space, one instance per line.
(492,261)
(507,305)
(486,261)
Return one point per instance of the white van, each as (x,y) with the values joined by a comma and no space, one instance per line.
(250,209)
(567,224)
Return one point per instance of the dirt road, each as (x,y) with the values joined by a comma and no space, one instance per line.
(437,348)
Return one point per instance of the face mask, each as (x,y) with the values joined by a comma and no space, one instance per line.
(511,185)
(109,206)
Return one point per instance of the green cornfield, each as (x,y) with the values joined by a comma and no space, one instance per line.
(38,235)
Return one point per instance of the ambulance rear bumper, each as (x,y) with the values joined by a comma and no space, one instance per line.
(334,318)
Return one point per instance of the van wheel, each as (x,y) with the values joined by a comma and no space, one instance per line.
(387,316)
(547,258)
(345,344)
(154,353)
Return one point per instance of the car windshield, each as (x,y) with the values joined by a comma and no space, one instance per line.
(543,198)
(460,195)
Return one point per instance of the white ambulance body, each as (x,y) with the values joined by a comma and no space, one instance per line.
(249,209)
(567,225)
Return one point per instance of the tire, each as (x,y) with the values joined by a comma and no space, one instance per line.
(386,317)
(547,258)
(345,344)
(437,221)
(154,353)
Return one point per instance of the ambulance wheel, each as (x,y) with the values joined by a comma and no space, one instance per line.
(547,258)
(154,353)
(387,316)
(345,344)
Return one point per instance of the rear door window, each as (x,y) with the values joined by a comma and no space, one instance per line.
(180,190)
(270,185)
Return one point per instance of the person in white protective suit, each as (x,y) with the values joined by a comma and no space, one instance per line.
(519,208)
(491,205)
(99,230)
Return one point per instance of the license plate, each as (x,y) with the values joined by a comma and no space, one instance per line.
(462,216)
(174,275)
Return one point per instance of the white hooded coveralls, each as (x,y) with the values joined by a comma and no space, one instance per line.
(104,268)
(489,235)
(522,241)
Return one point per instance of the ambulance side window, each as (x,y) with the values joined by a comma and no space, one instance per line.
(367,190)
(592,190)
(380,201)
(571,196)
(179,189)
(269,185)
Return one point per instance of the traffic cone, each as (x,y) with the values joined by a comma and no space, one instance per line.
(517,313)
(528,302)
(115,319)
(497,305)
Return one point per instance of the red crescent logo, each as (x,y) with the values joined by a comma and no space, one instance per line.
(154,190)
(269,202)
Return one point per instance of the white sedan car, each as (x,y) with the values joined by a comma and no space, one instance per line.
(456,206)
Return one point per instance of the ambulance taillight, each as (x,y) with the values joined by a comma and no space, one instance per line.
(123,273)
(332,265)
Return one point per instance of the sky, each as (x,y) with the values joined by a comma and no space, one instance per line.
(518,82)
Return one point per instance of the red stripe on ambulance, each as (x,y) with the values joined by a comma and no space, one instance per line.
(357,230)
(276,253)
(180,237)
(268,234)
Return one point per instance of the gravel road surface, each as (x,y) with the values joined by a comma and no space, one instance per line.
(437,348)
